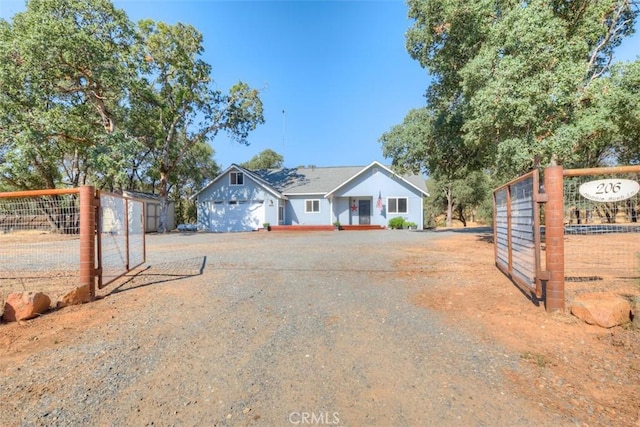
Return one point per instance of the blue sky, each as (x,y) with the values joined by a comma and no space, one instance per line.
(338,69)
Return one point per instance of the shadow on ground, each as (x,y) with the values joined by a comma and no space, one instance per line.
(161,273)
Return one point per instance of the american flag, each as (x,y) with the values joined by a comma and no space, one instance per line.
(379,202)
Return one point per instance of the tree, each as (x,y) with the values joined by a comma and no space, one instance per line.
(267,159)
(426,142)
(178,103)
(517,73)
(64,71)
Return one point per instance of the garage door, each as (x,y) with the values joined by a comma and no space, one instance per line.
(236,215)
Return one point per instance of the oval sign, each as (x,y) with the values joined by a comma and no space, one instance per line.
(609,190)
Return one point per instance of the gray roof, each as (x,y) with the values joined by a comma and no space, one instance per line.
(319,180)
(310,180)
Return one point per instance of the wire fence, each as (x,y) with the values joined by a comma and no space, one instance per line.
(121,240)
(39,242)
(53,241)
(602,233)
(588,221)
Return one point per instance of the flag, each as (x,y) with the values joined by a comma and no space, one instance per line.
(379,202)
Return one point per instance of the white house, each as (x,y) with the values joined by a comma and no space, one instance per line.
(243,200)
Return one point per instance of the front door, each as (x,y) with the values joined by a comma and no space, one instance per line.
(364,212)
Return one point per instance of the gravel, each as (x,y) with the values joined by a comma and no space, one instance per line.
(267,329)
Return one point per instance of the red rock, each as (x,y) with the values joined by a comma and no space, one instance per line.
(603,309)
(79,295)
(25,305)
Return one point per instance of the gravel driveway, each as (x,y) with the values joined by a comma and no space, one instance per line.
(265,329)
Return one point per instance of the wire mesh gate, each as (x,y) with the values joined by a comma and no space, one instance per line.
(121,243)
(53,240)
(589,224)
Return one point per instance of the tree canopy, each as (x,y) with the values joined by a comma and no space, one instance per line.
(267,159)
(519,81)
(515,84)
(88,97)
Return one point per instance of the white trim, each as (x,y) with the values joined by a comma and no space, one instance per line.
(304,194)
(259,181)
(398,198)
(312,211)
(238,174)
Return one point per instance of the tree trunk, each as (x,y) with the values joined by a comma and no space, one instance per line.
(449,195)
(164,204)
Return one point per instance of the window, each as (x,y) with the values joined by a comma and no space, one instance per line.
(236,178)
(280,214)
(397,205)
(312,206)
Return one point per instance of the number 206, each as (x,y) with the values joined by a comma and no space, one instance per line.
(608,187)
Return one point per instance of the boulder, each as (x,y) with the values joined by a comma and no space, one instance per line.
(635,308)
(603,309)
(79,295)
(25,305)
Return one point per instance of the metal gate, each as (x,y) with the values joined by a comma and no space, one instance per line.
(590,231)
(516,231)
(55,240)
(120,236)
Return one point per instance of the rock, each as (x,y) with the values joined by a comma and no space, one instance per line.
(79,295)
(25,305)
(1,305)
(635,308)
(603,309)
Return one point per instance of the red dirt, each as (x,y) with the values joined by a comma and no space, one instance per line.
(577,369)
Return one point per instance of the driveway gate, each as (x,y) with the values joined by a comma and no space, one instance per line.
(589,225)
(56,239)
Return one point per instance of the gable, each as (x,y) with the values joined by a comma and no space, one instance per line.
(377,181)
(375,177)
(236,183)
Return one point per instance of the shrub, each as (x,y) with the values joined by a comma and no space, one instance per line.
(397,222)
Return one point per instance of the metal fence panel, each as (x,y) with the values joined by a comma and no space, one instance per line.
(517,231)
(39,242)
(113,239)
(501,229)
(602,232)
(136,233)
(522,237)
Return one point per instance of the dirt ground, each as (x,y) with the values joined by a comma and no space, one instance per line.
(580,369)
(583,372)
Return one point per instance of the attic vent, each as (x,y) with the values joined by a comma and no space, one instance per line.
(374,171)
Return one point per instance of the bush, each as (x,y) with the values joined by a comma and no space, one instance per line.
(395,223)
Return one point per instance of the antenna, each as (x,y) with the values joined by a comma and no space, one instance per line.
(283,129)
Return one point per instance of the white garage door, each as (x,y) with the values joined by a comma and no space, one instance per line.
(236,215)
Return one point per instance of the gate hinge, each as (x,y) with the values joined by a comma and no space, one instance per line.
(543,275)
(542,198)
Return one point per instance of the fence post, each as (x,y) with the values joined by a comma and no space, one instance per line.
(88,239)
(554,237)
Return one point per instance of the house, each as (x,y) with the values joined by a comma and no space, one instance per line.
(242,200)
(152,210)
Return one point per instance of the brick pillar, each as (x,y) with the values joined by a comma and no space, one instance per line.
(88,239)
(554,226)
